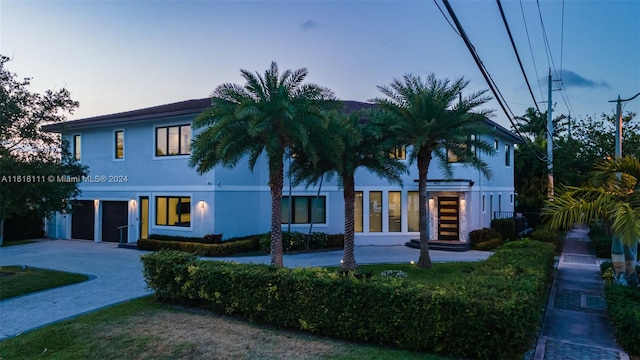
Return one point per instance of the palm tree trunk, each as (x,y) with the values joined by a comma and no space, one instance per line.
(349,194)
(1,231)
(276,181)
(617,260)
(424,158)
(631,262)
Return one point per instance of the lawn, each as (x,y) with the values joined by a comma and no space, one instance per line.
(146,329)
(15,281)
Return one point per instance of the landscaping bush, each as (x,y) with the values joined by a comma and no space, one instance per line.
(483,235)
(548,236)
(222,249)
(335,241)
(207,239)
(623,306)
(498,305)
(488,245)
(505,227)
(297,241)
(165,271)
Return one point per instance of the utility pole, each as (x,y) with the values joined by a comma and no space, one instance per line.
(618,142)
(550,140)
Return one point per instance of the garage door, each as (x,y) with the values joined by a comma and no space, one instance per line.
(114,215)
(83,220)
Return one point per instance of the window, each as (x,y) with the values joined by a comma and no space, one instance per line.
(77,147)
(499,202)
(413,211)
(398,152)
(507,155)
(173,211)
(451,157)
(496,145)
(472,139)
(511,199)
(173,140)
(375,211)
(357,212)
(119,135)
(395,211)
(484,209)
(302,209)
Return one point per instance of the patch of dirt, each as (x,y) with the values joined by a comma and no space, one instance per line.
(205,335)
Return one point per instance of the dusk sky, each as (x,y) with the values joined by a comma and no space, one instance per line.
(123,55)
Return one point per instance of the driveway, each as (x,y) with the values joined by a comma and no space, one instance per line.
(116,276)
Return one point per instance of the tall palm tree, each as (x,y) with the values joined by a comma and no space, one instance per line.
(361,147)
(270,113)
(613,196)
(432,117)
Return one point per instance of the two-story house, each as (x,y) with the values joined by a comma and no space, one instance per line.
(140,183)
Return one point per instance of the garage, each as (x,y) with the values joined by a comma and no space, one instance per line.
(83,220)
(114,215)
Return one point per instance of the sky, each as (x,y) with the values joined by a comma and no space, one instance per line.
(123,55)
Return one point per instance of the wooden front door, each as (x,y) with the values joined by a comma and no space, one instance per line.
(448,218)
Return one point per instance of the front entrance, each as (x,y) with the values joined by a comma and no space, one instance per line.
(144,217)
(448,218)
(115,214)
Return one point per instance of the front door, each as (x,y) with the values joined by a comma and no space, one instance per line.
(144,217)
(448,218)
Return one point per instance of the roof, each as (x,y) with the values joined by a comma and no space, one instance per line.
(196,106)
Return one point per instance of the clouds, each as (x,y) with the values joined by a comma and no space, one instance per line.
(309,25)
(572,79)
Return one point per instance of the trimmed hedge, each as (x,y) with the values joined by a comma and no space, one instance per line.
(207,239)
(476,237)
(488,245)
(505,227)
(222,249)
(492,314)
(623,305)
(296,241)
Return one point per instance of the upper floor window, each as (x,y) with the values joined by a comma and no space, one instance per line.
(452,157)
(496,145)
(119,146)
(398,152)
(173,140)
(77,147)
(507,154)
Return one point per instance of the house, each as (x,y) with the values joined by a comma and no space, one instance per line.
(139,183)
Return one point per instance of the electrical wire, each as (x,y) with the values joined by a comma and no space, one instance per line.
(535,67)
(515,50)
(446,18)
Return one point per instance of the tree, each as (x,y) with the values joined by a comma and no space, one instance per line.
(426,115)
(28,156)
(613,196)
(269,114)
(362,146)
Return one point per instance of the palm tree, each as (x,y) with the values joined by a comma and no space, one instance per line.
(613,196)
(361,147)
(270,113)
(426,115)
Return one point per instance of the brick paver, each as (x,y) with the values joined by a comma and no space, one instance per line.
(562,350)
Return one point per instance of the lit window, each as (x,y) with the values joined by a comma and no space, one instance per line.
(375,211)
(119,135)
(173,211)
(357,212)
(395,211)
(413,211)
(398,152)
(302,209)
(77,147)
(173,140)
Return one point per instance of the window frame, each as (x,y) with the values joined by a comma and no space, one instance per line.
(507,155)
(310,203)
(179,213)
(115,145)
(168,142)
(77,147)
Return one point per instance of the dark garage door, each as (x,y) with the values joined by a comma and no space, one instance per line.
(82,220)
(114,215)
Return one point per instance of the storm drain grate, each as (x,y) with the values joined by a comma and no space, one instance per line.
(575,300)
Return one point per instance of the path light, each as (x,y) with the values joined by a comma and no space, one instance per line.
(341,261)
(412,262)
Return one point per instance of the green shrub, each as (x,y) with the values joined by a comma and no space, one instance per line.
(601,245)
(498,305)
(623,305)
(297,241)
(207,239)
(489,244)
(482,235)
(548,236)
(505,227)
(335,241)
(222,249)
(166,271)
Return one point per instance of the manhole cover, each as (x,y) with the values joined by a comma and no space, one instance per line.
(580,259)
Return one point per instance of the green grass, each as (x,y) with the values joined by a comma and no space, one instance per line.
(15,281)
(16,242)
(438,274)
(146,329)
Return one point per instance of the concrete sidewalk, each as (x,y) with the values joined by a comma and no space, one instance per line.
(116,276)
(576,325)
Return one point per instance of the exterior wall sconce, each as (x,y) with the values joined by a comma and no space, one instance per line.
(202,204)
(133,203)
(96,202)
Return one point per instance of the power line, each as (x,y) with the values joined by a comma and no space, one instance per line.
(487,77)
(562,40)
(446,18)
(547,48)
(515,49)
(535,67)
